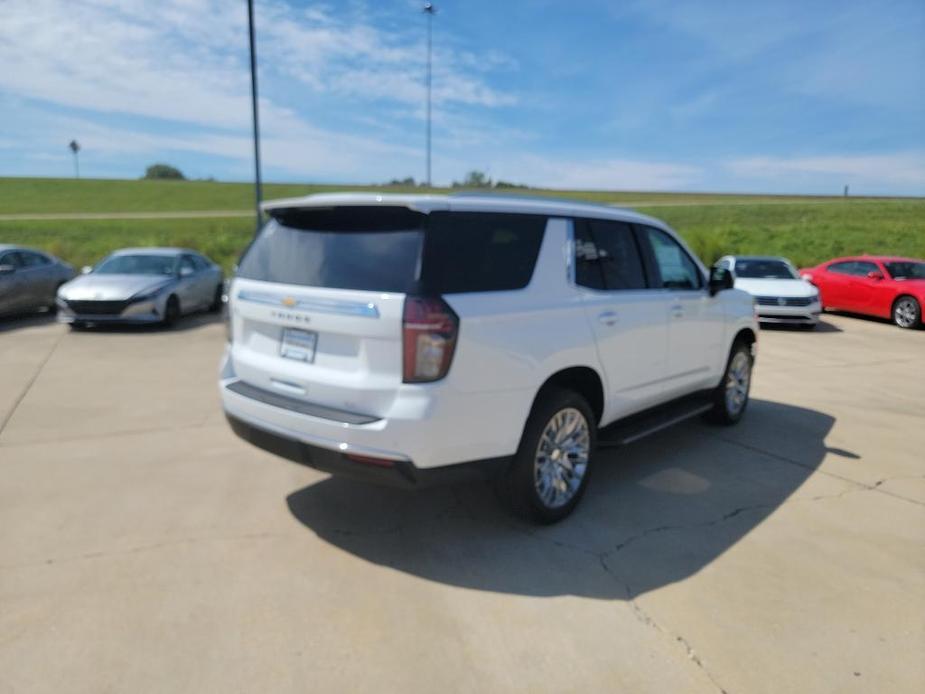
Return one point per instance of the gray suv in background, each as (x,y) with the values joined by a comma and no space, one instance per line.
(29,279)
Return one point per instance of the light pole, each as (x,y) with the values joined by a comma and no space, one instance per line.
(258,192)
(429,10)
(75,148)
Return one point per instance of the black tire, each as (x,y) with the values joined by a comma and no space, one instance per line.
(729,410)
(172,311)
(216,304)
(907,312)
(519,486)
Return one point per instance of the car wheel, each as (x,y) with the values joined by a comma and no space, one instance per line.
(731,396)
(172,311)
(550,470)
(907,313)
(216,304)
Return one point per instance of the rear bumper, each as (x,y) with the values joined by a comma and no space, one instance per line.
(396,472)
(429,425)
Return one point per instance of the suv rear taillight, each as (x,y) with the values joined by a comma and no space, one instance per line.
(429,330)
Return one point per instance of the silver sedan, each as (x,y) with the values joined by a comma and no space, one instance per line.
(29,279)
(142,285)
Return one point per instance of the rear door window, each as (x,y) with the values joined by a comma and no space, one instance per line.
(607,256)
(480,252)
(372,248)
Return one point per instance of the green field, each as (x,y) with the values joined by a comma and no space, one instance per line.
(805,229)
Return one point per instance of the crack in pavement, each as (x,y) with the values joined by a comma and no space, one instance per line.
(25,391)
(138,549)
(112,434)
(784,459)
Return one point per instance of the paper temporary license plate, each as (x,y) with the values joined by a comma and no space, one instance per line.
(298,344)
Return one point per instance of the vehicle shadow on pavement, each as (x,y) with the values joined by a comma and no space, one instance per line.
(821,327)
(29,320)
(655,512)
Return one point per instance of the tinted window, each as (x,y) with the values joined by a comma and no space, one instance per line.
(187,265)
(842,268)
(199,262)
(141,264)
(480,252)
(862,268)
(606,256)
(10,259)
(588,271)
(906,270)
(759,268)
(374,249)
(30,259)
(674,265)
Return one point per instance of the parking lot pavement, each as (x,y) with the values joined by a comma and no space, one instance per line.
(144,548)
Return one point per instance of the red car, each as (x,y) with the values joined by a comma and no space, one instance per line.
(876,285)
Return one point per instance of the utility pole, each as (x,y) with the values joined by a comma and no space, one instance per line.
(75,148)
(258,189)
(429,10)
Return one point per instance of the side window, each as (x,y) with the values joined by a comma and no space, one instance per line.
(199,263)
(675,266)
(862,268)
(725,263)
(607,256)
(480,251)
(845,267)
(588,271)
(11,258)
(30,259)
(187,265)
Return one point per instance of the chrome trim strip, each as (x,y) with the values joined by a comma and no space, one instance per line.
(338,306)
(284,402)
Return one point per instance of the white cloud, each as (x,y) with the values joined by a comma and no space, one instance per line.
(620,174)
(186,63)
(876,172)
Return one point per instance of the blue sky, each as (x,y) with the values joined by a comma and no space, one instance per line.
(783,97)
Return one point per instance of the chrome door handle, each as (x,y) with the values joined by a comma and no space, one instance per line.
(677,311)
(608,318)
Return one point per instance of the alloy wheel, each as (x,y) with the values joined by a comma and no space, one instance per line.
(562,456)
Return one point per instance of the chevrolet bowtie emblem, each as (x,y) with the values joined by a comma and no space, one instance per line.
(288,301)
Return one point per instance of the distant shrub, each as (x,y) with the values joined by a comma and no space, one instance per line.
(162,171)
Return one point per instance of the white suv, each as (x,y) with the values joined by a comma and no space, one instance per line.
(411,339)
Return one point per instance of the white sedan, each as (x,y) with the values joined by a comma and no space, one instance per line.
(781,296)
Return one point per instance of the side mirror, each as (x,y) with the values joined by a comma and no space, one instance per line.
(874,275)
(86,270)
(720,279)
(7,269)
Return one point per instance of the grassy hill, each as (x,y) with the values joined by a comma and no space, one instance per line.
(806,229)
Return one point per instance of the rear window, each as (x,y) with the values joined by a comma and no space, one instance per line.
(396,250)
(373,248)
(480,252)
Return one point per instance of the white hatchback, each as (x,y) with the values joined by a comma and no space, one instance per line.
(413,339)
